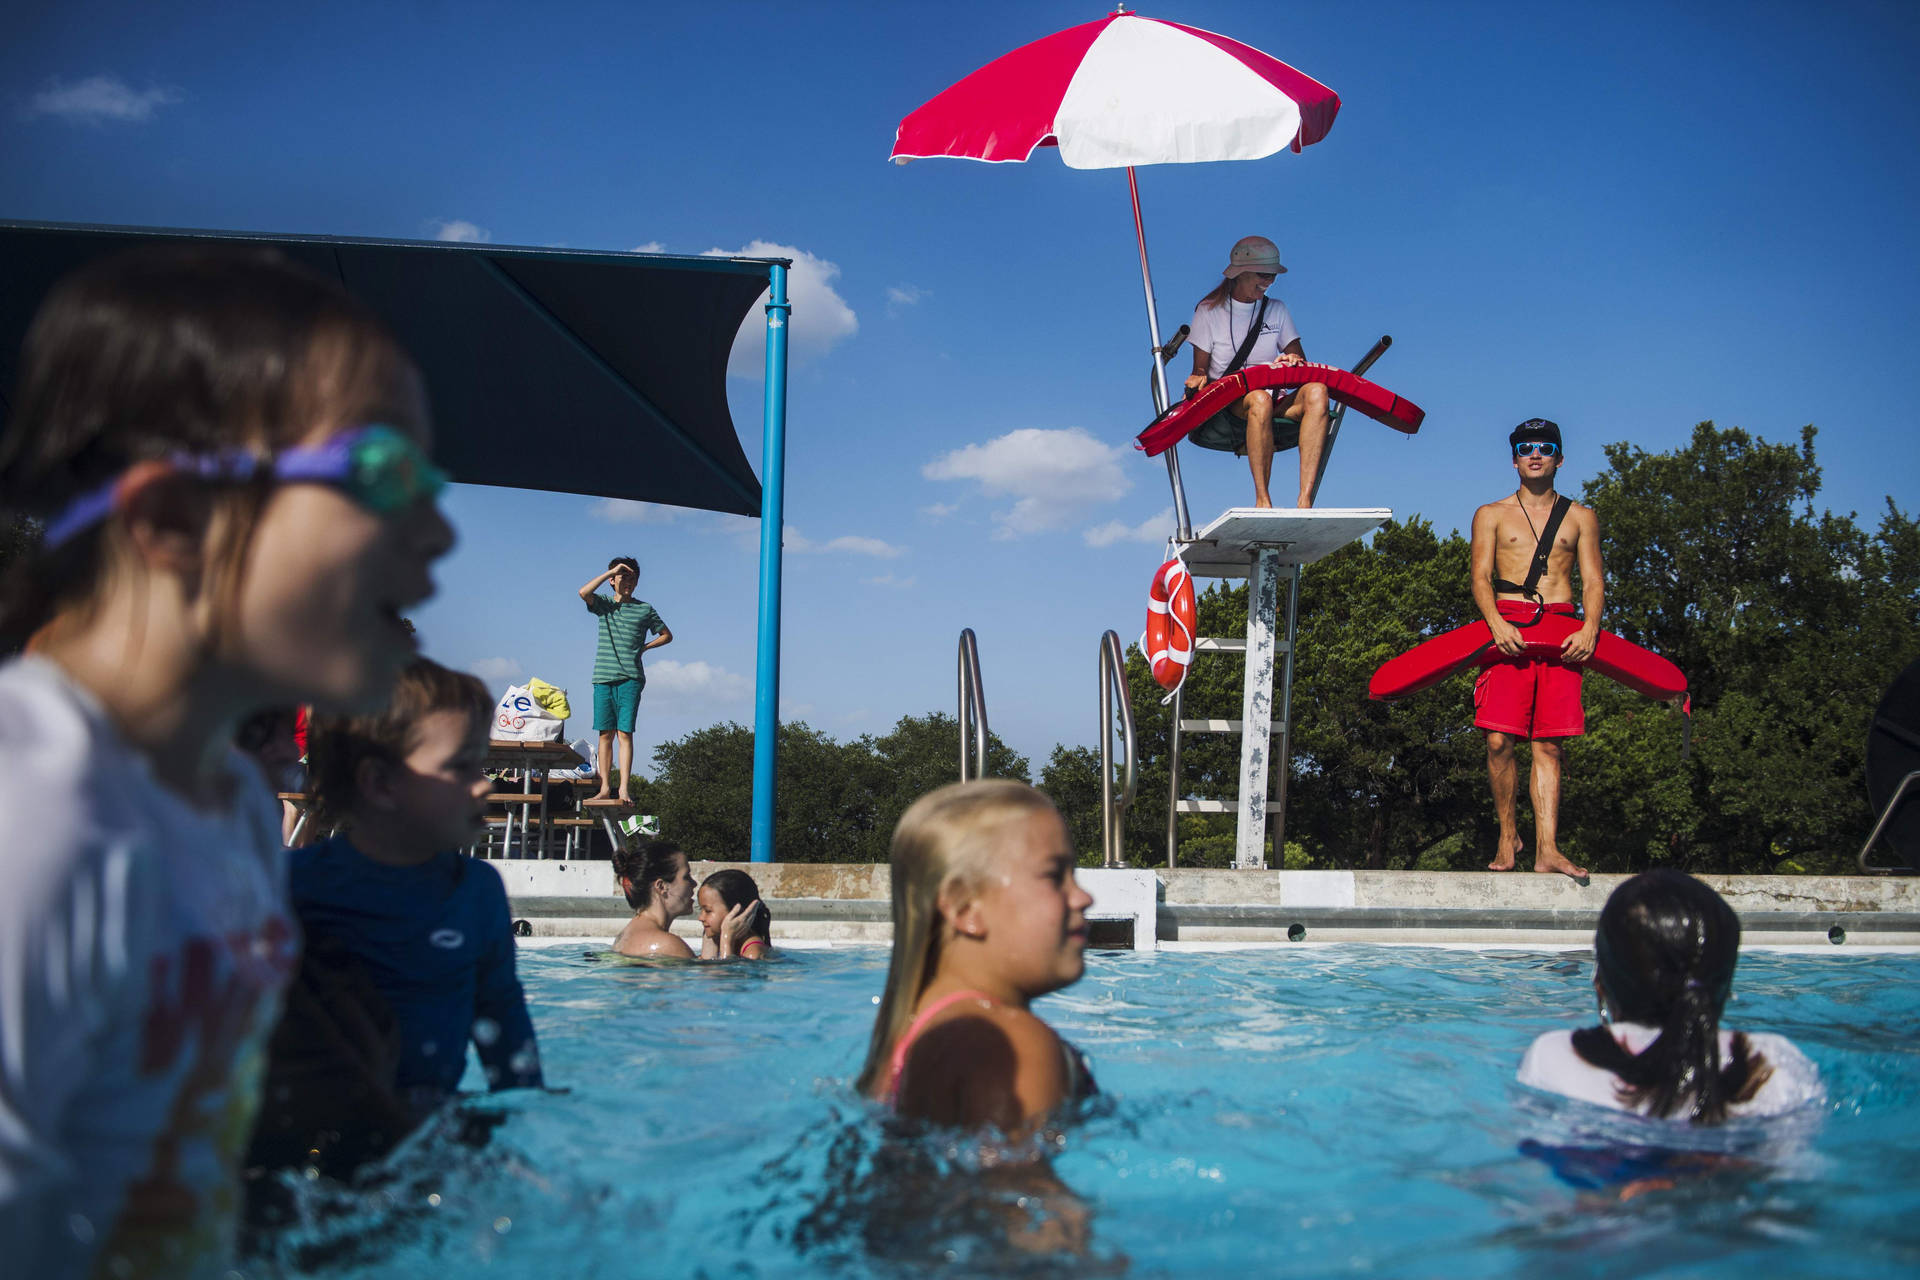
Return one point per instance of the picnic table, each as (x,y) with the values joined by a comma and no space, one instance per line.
(531,759)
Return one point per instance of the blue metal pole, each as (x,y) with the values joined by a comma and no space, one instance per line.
(773,475)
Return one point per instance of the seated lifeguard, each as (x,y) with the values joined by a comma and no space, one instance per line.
(1235,326)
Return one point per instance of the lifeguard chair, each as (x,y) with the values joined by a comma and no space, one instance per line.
(1267,547)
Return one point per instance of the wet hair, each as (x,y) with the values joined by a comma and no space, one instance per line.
(178,347)
(338,745)
(736,887)
(628,561)
(946,837)
(1665,952)
(640,867)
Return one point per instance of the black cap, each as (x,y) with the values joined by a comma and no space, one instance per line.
(1535,429)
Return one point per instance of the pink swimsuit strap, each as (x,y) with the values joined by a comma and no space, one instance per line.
(919,1024)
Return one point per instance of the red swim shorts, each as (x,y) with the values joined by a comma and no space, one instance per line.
(1526,697)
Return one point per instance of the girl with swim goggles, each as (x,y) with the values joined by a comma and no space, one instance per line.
(227,529)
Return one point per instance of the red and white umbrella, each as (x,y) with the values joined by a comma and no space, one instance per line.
(1124,91)
(1120,92)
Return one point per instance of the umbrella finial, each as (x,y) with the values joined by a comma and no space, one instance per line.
(1119,10)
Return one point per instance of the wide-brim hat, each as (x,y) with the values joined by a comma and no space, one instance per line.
(1254,253)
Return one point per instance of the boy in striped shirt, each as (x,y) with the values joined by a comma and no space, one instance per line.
(618,677)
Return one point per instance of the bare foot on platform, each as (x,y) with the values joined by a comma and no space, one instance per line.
(1305,502)
(1553,862)
(1263,504)
(1503,859)
(601,794)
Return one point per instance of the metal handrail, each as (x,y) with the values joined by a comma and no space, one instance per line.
(1113,679)
(1339,412)
(973,711)
(1886,816)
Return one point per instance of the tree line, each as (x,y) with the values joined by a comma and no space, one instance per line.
(1788,622)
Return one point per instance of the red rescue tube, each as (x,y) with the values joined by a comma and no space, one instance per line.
(1614,657)
(1349,389)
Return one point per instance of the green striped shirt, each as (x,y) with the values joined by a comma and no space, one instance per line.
(624,625)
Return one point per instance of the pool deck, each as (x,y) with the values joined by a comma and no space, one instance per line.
(1143,908)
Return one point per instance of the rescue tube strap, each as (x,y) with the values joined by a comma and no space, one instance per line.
(1542,548)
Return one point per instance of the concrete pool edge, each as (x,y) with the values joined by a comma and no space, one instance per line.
(1150,907)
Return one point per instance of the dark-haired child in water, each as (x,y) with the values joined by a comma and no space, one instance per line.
(1664,956)
(225,528)
(391,894)
(733,920)
(987,917)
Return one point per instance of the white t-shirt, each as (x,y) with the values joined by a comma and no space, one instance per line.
(1220,330)
(144,945)
(1552,1065)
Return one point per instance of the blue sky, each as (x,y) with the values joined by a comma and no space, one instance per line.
(1626,217)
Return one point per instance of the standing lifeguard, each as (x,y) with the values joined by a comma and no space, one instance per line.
(1525,547)
(1237,325)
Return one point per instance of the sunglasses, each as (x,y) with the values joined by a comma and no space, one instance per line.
(1545,448)
(377,466)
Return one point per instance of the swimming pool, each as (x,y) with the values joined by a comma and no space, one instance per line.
(1330,1111)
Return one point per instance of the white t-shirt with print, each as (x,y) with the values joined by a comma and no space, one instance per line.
(1553,1065)
(144,945)
(1220,330)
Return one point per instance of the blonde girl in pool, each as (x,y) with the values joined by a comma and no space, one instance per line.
(227,455)
(987,917)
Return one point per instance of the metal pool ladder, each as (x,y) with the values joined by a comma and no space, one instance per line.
(1113,808)
(973,711)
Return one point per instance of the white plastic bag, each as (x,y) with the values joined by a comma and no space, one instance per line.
(522,719)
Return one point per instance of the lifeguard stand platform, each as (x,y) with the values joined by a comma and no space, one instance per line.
(1266,547)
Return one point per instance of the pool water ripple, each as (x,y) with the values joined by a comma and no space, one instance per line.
(1319,1111)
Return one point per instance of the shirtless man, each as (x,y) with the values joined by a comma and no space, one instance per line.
(1524,699)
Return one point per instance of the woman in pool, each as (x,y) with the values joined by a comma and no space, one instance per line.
(659,888)
(1664,956)
(986,918)
(733,920)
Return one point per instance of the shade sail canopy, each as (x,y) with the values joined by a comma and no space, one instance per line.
(577,372)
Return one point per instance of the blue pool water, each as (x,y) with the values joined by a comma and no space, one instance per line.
(1308,1112)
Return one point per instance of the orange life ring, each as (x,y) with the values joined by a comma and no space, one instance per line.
(1168,643)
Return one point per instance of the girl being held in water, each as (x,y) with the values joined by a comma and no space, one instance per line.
(987,917)
(1664,955)
(733,920)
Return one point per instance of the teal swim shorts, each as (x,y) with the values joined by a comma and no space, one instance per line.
(616,704)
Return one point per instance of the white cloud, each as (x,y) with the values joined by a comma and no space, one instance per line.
(939,510)
(500,670)
(651,246)
(892,580)
(694,684)
(821,318)
(1155,529)
(905,295)
(97,99)
(798,543)
(460,231)
(1051,475)
(627,511)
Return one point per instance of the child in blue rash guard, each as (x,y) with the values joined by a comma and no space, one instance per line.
(427,925)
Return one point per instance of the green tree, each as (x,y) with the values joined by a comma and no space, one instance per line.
(704,787)
(917,755)
(1789,625)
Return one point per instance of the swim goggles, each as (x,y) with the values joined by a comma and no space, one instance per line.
(1546,448)
(377,466)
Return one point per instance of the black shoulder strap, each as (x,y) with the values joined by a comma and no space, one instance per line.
(1253,336)
(1541,550)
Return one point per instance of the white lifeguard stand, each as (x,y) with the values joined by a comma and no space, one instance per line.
(1264,546)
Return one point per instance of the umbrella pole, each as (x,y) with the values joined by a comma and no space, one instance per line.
(1162,399)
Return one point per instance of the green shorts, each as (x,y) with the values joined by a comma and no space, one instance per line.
(616,704)
(1228,434)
